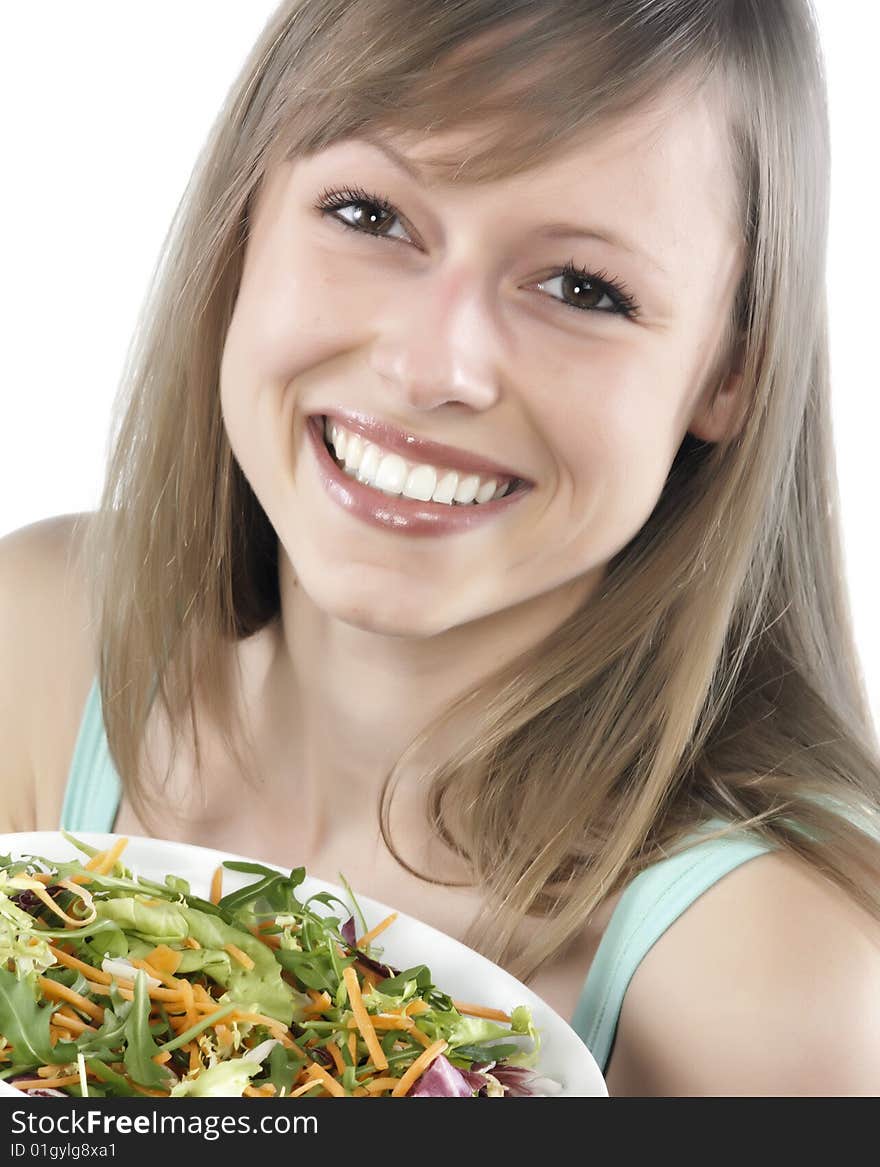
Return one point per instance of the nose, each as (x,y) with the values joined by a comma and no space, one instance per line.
(438,342)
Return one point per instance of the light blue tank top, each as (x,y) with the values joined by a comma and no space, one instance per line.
(651,902)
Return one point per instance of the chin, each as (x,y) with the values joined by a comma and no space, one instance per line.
(408,613)
(384,623)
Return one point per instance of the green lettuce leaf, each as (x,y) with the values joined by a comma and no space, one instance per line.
(25,1024)
(160,922)
(225,1080)
(166,923)
(16,934)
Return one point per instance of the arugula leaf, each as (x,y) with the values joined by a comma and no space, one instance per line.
(121,1087)
(485,1053)
(140,1047)
(357,907)
(419,977)
(25,1024)
(284,1067)
(86,848)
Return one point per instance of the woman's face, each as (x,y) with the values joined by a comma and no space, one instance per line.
(453,323)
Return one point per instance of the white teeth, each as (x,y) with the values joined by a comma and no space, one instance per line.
(467,488)
(394,475)
(420,483)
(354,451)
(391,474)
(445,488)
(369,464)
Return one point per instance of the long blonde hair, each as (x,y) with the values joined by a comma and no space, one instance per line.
(713,674)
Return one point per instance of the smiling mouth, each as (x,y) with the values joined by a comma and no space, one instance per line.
(389,474)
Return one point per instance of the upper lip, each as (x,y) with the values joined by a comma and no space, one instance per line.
(416,449)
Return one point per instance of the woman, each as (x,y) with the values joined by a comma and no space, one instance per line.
(469,525)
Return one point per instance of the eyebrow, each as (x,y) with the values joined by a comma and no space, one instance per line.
(551,230)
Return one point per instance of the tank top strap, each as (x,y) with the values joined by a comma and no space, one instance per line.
(94,790)
(652,901)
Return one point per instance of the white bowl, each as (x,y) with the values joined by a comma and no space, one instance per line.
(456,969)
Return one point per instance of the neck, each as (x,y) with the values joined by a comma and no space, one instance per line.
(338,705)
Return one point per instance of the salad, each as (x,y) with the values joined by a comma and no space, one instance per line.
(113,985)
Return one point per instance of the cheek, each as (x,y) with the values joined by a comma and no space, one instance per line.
(282,323)
(614,431)
(617,422)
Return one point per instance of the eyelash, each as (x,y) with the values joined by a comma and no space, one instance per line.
(624,303)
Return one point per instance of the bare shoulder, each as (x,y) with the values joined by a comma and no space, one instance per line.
(769,984)
(47,660)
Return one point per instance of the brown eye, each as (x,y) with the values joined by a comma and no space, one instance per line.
(369,216)
(591,292)
(356,209)
(585,293)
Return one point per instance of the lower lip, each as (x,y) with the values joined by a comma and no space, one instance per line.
(407,516)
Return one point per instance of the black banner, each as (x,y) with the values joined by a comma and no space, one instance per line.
(37,1130)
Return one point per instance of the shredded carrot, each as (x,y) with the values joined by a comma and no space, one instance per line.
(414,1008)
(481,1011)
(374,932)
(195,1059)
(242,957)
(352,1047)
(191,942)
(320,1002)
(364,1022)
(39,890)
(44,1083)
(302,1089)
(255,1019)
(165,958)
(378,1085)
(381,1021)
(159,974)
(418,1068)
(123,988)
(190,1002)
(105,861)
(67,1021)
(161,1058)
(327,1080)
(88,970)
(271,941)
(266,1091)
(217,886)
(421,1038)
(58,992)
(277,1028)
(333,1049)
(369,977)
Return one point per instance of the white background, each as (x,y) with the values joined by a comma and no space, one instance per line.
(106,106)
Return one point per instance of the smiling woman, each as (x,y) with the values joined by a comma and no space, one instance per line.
(470,525)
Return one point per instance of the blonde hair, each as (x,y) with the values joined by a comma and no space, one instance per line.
(714,672)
